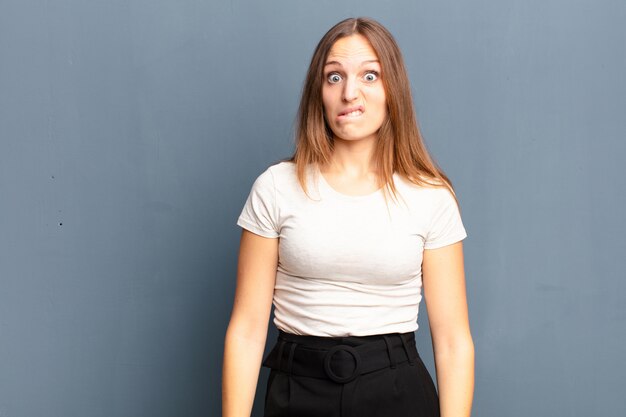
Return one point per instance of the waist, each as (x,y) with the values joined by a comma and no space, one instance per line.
(340,359)
(363,310)
(329,341)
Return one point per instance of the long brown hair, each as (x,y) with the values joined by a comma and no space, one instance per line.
(400,147)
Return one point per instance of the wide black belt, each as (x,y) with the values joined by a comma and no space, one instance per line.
(339,360)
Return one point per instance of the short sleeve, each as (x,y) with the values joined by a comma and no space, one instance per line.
(259,212)
(446,226)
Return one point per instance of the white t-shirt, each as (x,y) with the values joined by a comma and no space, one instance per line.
(347,266)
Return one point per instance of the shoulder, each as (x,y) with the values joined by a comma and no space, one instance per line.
(282,168)
(283,174)
(426,199)
(276,179)
(429,190)
(274,173)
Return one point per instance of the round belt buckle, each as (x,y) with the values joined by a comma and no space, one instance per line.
(357,363)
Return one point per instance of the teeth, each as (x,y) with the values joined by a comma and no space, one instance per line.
(354,113)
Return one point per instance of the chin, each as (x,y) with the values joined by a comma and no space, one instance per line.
(353,136)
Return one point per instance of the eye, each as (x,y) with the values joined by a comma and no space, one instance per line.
(371,76)
(333,78)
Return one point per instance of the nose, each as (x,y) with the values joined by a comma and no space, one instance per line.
(350,90)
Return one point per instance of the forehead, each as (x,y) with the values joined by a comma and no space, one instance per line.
(353,47)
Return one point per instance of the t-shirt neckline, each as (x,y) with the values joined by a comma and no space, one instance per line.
(343,196)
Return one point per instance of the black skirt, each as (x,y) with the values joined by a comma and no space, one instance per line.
(356,376)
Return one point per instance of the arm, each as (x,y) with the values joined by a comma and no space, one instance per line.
(446,302)
(247,330)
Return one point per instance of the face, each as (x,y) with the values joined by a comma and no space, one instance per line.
(353,94)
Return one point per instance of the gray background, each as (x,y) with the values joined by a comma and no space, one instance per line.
(131,132)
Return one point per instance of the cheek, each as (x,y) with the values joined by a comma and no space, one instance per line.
(381,104)
(325,102)
(381,97)
(376,96)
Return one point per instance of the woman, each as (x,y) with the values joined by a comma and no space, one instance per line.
(348,282)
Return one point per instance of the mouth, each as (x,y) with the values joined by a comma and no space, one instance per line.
(351,113)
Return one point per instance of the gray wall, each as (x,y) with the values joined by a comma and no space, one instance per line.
(131,132)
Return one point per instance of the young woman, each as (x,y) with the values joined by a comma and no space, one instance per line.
(342,238)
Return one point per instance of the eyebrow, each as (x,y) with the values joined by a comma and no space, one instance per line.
(362,63)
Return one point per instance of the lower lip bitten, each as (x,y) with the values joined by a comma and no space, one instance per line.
(350,115)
